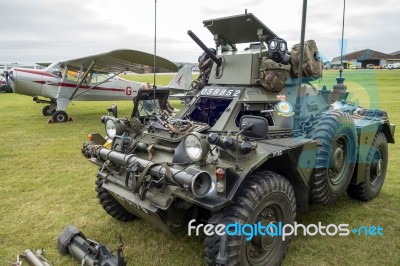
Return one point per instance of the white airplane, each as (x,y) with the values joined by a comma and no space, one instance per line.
(91,78)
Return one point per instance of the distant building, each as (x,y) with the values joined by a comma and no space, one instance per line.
(366,57)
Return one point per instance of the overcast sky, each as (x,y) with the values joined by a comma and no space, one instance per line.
(53,30)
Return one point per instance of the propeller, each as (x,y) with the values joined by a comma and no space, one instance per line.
(6,76)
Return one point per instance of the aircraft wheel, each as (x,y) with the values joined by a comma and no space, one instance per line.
(111,205)
(46,110)
(60,116)
(375,171)
(336,155)
(266,199)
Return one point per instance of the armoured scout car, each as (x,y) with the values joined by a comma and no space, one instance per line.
(252,146)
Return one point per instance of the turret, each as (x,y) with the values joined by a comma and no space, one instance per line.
(231,66)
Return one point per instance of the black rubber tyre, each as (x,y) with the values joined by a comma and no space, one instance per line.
(111,205)
(336,136)
(60,116)
(375,171)
(46,110)
(265,197)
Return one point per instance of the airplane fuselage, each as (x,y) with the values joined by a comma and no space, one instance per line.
(34,82)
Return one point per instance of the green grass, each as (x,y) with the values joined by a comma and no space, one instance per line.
(46,185)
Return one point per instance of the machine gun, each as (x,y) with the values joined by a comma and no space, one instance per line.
(213,57)
(86,251)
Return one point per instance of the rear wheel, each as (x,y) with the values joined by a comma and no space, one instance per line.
(375,171)
(266,198)
(111,205)
(336,138)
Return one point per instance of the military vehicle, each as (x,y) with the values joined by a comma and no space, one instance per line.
(253,145)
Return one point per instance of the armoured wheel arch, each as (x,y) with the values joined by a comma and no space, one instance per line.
(336,155)
(264,194)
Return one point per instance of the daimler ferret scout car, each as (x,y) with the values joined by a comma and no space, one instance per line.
(252,146)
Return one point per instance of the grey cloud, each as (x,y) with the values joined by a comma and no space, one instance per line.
(42,29)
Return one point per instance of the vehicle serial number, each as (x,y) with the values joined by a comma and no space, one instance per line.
(221,92)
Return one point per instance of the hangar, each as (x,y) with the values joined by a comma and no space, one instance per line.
(367,57)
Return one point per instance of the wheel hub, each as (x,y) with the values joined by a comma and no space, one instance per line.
(263,242)
(261,247)
(60,117)
(338,161)
(376,166)
(338,158)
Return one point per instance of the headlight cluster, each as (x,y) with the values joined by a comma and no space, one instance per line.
(114,127)
(196,147)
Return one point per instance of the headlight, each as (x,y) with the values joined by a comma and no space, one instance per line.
(111,129)
(196,147)
(114,127)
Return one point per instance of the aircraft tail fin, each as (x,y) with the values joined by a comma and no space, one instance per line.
(182,79)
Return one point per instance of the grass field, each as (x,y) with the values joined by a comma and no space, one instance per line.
(46,185)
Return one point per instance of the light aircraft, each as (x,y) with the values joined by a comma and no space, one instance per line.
(91,78)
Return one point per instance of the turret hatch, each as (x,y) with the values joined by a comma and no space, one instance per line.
(244,28)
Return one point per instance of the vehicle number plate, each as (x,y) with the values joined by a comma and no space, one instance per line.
(223,92)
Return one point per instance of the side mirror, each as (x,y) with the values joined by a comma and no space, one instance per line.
(114,110)
(254,127)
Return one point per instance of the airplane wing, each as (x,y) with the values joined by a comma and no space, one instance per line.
(122,60)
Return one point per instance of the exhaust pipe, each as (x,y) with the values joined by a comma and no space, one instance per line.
(199,182)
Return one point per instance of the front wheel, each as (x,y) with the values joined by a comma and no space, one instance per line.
(375,171)
(60,116)
(266,198)
(111,205)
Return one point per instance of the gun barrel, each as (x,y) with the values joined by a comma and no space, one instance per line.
(196,39)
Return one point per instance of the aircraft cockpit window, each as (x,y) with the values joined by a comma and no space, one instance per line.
(56,69)
(98,78)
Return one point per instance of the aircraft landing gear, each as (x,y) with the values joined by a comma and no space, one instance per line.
(48,110)
(60,116)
